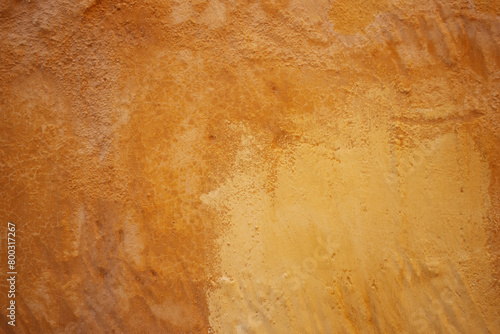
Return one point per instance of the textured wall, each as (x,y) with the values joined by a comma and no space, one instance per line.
(272,166)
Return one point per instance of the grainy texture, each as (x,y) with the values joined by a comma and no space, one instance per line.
(273,166)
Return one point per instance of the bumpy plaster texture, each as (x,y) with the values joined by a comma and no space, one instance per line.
(272,166)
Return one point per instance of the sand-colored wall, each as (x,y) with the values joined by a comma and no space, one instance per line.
(272,166)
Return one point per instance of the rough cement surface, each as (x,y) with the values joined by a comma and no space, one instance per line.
(273,166)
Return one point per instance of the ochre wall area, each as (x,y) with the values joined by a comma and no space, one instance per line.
(272,166)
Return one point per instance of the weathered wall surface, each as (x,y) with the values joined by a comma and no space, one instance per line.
(286,166)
